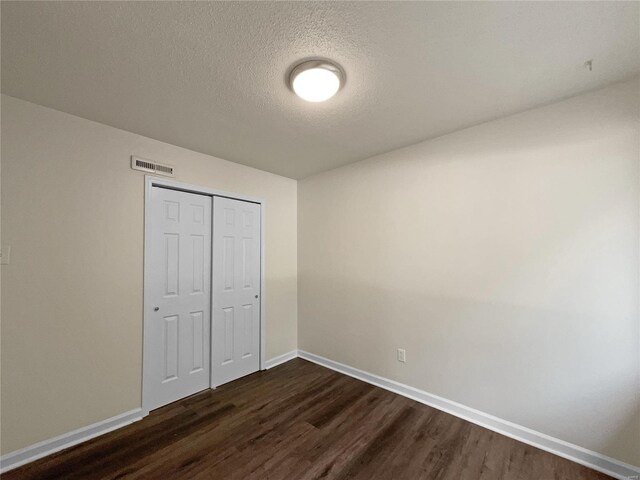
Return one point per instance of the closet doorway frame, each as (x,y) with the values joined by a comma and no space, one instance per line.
(151,181)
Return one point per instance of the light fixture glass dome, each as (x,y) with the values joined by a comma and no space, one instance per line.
(316,80)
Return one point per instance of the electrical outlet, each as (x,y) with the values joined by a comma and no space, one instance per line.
(402,355)
(5,254)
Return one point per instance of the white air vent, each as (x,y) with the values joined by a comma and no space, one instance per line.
(143,165)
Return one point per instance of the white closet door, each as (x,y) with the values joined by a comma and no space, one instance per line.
(236,290)
(177,342)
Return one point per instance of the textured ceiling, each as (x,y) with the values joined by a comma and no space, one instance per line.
(211,76)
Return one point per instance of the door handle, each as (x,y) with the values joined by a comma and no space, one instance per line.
(156,309)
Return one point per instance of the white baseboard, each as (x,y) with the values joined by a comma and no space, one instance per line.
(47,447)
(591,459)
(588,458)
(285,357)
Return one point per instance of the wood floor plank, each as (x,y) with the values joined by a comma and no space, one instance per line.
(302,421)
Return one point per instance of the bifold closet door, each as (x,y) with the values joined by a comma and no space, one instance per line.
(236,289)
(178,340)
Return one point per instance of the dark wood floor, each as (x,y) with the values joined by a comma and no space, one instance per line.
(302,421)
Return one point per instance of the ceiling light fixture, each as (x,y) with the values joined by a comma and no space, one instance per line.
(316,80)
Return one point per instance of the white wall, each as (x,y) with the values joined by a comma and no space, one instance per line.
(72,211)
(504,258)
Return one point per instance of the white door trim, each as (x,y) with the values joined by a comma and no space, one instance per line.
(150,182)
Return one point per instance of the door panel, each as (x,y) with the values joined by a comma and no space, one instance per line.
(177,339)
(236,291)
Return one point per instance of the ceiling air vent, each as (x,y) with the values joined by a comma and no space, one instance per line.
(148,166)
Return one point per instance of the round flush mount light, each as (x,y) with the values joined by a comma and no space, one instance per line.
(316,80)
